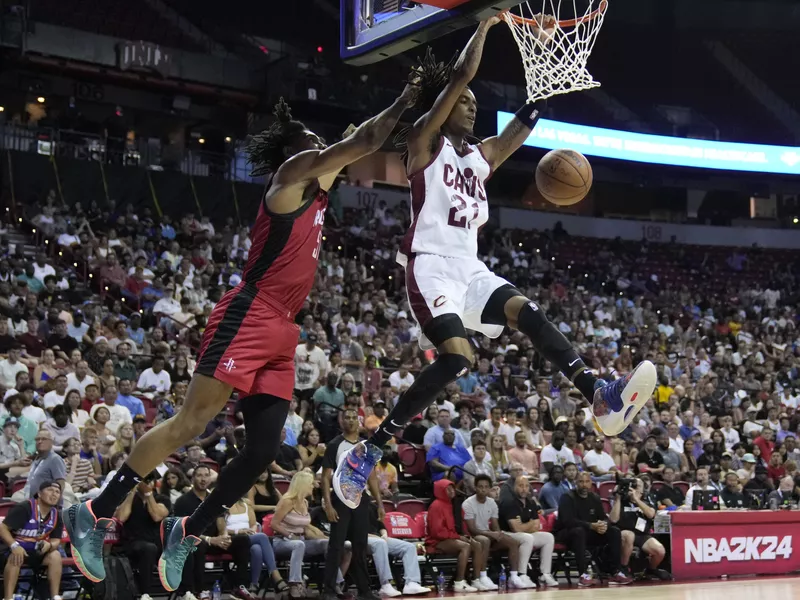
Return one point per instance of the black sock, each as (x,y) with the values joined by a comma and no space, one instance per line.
(106,504)
(432,380)
(552,344)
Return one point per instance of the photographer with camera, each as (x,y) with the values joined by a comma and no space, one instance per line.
(634,512)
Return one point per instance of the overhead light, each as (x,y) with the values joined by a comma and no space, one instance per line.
(795,220)
(40,99)
(202,140)
(228,139)
(2,108)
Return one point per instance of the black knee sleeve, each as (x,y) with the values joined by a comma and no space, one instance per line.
(494,313)
(544,335)
(432,380)
(444,327)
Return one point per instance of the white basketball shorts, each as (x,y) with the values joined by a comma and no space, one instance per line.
(440,285)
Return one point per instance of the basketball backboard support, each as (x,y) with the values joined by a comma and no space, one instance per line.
(373,30)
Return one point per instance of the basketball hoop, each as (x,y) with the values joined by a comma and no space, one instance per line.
(555,59)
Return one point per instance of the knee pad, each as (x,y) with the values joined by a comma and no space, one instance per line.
(443,328)
(494,313)
(533,323)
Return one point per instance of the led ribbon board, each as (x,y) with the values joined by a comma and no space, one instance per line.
(659,149)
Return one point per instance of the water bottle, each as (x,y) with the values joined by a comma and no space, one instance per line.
(222,445)
(501,581)
(216,592)
(440,584)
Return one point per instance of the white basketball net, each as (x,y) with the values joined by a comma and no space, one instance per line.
(555,62)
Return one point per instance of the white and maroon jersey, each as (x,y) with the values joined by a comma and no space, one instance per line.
(448,204)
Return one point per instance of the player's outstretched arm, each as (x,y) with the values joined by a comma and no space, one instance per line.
(428,126)
(325,165)
(499,148)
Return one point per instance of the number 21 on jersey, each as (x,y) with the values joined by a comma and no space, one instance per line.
(459,212)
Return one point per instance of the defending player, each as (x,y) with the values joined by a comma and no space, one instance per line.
(250,339)
(449,288)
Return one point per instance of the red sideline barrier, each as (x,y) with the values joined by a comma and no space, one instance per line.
(711,544)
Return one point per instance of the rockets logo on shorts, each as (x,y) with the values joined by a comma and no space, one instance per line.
(229,365)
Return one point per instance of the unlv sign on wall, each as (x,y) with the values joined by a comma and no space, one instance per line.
(708,544)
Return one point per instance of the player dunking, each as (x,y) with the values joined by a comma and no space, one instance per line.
(449,287)
(250,339)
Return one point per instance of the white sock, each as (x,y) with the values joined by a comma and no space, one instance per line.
(513,573)
(483,574)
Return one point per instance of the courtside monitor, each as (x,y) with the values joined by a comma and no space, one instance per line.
(373,30)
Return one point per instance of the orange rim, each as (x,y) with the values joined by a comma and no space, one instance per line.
(567,23)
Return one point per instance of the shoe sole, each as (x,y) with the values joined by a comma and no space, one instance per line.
(637,392)
(336,481)
(162,564)
(76,555)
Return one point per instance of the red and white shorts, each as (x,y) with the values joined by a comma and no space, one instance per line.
(249,343)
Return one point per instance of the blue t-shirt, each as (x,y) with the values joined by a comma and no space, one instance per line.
(450,456)
(132,403)
(467,383)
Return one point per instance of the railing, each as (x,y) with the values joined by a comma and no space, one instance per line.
(78,145)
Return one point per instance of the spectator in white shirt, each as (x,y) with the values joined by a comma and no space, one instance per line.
(599,462)
(730,434)
(494,425)
(30,411)
(401,380)
(40,267)
(556,453)
(57,396)
(310,352)
(80,379)
(118,414)
(68,238)
(167,305)
(9,367)
(155,379)
(675,439)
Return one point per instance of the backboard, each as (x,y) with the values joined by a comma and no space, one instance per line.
(373,30)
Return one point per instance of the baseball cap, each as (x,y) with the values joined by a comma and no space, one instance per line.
(379,402)
(402,315)
(561,419)
(312,337)
(511,347)
(11,421)
(47,484)
(728,454)
(139,419)
(749,458)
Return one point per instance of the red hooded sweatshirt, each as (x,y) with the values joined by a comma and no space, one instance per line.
(441,523)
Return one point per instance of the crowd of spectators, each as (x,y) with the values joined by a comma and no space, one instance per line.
(103,320)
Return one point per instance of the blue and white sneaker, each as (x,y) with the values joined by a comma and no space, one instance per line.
(617,403)
(352,472)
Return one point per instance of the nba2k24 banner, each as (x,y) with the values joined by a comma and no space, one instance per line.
(700,551)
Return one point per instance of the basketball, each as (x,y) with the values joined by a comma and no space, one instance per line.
(564,177)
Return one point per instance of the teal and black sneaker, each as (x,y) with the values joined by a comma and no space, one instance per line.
(177,547)
(86,535)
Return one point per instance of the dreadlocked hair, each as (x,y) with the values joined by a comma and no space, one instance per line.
(265,150)
(432,77)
